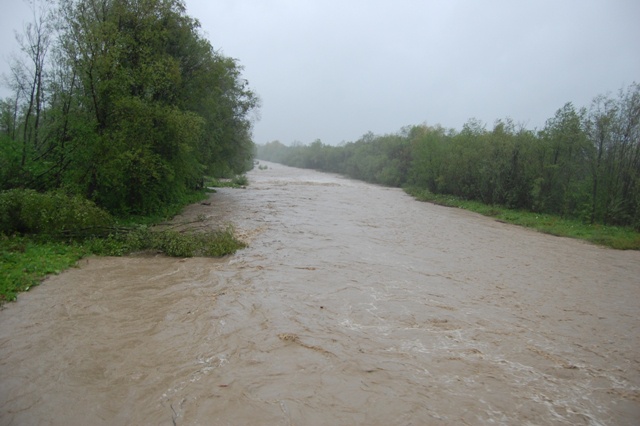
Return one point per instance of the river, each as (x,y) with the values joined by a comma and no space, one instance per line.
(352,305)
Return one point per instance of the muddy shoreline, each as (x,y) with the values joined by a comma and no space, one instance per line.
(353,304)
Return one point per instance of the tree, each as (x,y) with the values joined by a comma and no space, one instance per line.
(565,149)
(614,131)
(28,79)
(137,105)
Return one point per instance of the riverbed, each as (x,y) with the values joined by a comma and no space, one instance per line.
(353,304)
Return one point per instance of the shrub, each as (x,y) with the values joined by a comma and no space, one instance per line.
(189,244)
(240,180)
(25,211)
(168,241)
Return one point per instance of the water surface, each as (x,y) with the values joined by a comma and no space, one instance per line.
(353,304)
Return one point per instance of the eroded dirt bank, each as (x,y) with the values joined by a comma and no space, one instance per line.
(353,304)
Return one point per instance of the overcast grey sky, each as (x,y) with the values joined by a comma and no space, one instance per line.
(336,69)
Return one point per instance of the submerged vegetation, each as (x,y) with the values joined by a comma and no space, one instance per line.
(238,181)
(582,170)
(170,242)
(118,109)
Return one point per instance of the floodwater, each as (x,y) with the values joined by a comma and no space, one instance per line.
(352,305)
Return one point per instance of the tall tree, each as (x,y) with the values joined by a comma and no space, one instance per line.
(565,148)
(138,104)
(28,75)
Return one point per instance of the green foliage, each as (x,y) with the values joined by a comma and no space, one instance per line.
(240,180)
(150,162)
(177,244)
(170,242)
(167,211)
(24,263)
(10,169)
(138,107)
(59,229)
(26,211)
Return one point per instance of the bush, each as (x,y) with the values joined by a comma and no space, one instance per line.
(177,244)
(168,241)
(25,211)
(240,180)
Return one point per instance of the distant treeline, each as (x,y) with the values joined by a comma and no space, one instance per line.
(585,163)
(122,102)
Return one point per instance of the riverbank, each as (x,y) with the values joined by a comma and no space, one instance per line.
(25,261)
(615,237)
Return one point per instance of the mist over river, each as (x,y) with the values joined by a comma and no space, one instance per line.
(352,305)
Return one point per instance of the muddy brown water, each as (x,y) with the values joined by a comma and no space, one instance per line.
(353,304)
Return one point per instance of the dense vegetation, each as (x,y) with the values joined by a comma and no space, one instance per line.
(124,103)
(119,109)
(584,164)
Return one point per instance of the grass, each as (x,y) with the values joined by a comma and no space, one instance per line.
(609,236)
(26,260)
